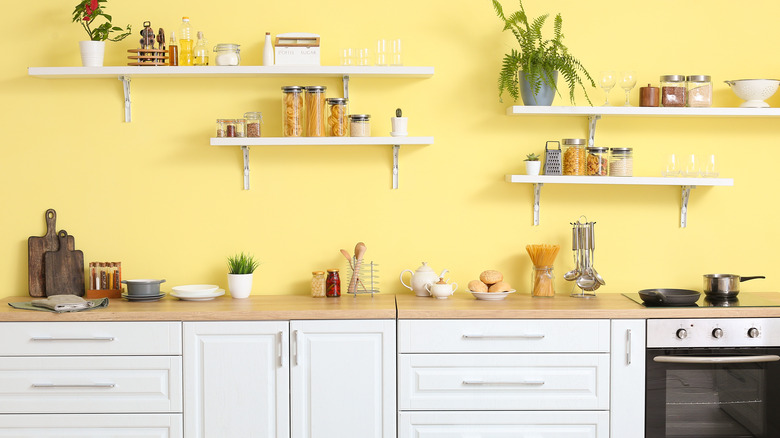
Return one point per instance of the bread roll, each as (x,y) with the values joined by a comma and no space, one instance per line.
(501,286)
(491,277)
(477,286)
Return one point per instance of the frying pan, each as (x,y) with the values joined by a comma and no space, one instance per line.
(669,297)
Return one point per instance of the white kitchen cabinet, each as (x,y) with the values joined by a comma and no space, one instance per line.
(627,413)
(91,426)
(343,379)
(237,379)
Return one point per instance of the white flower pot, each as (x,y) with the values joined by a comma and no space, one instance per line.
(533,167)
(92,53)
(240,285)
(399,125)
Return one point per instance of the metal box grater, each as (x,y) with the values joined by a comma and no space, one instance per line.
(552,159)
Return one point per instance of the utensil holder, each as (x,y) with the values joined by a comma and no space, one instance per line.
(366,277)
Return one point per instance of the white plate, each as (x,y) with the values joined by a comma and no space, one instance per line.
(188,297)
(492,296)
(195,290)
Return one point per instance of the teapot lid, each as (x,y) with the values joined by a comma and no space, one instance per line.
(441,281)
(424,268)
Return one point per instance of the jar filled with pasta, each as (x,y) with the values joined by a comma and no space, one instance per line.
(292,111)
(337,117)
(574,156)
(598,161)
(315,111)
(359,125)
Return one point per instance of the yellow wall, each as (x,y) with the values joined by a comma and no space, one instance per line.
(154,195)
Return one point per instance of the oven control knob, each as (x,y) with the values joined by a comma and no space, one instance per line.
(717,333)
(682,334)
(752,332)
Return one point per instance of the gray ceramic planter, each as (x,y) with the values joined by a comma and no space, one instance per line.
(545,95)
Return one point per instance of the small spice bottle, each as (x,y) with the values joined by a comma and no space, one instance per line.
(318,284)
(338,125)
(253,121)
(648,96)
(359,125)
(621,162)
(240,127)
(673,91)
(574,156)
(598,161)
(315,111)
(333,283)
(222,127)
(292,111)
(699,91)
(230,128)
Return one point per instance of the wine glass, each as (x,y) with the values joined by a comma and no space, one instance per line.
(672,166)
(607,82)
(627,82)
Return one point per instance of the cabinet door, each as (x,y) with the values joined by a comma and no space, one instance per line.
(343,379)
(628,378)
(91,426)
(236,377)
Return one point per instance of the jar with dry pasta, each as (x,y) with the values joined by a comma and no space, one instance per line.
(292,111)
(574,156)
(598,161)
(359,125)
(337,117)
(315,111)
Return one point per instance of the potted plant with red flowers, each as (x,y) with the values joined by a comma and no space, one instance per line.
(85,13)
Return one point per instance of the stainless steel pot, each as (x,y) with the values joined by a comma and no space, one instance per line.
(724,285)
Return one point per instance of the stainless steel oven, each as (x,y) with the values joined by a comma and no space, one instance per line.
(713,378)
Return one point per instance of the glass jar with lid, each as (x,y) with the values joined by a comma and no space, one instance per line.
(227,54)
(337,117)
(598,161)
(673,91)
(253,121)
(240,125)
(574,156)
(292,111)
(318,284)
(360,125)
(699,91)
(315,111)
(222,125)
(621,162)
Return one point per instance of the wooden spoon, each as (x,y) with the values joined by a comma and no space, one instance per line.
(360,250)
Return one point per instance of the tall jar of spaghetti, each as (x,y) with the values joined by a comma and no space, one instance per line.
(315,111)
(337,123)
(292,111)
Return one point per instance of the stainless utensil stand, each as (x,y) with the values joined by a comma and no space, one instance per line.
(367,280)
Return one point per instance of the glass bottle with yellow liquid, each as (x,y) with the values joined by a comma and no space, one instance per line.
(201,50)
(185,42)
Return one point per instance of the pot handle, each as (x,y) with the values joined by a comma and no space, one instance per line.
(741,279)
(402,278)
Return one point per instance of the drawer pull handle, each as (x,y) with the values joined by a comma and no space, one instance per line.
(527,336)
(521,382)
(90,385)
(93,338)
(717,359)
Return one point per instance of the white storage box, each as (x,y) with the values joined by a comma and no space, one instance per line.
(297,49)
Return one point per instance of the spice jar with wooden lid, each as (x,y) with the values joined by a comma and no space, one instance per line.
(648,96)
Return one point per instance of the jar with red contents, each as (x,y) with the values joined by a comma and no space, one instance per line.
(333,284)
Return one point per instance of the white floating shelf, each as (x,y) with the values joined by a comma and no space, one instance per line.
(686,184)
(519,110)
(246,142)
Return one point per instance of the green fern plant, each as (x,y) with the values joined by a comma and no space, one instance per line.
(242,264)
(537,57)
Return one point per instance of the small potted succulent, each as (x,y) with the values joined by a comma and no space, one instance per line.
(240,272)
(532,164)
(399,124)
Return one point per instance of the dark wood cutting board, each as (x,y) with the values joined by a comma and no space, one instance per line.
(37,247)
(64,269)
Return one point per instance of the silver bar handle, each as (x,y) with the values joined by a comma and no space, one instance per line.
(295,347)
(628,347)
(530,382)
(726,359)
(279,347)
(93,338)
(90,385)
(520,336)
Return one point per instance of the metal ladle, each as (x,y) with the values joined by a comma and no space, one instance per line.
(595,273)
(586,279)
(575,246)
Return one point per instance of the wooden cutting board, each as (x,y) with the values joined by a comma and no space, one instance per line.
(37,247)
(64,269)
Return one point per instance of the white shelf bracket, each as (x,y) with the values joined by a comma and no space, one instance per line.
(686,194)
(345,84)
(396,150)
(537,201)
(126,88)
(592,119)
(245,151)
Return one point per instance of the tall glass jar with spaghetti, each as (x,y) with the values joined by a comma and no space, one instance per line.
(338,123)
(315,111)
(292,111)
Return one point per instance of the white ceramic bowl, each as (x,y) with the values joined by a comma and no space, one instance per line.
(754,91)
(491,296)
(194,290)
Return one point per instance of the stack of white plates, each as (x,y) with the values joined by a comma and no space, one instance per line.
(197,292)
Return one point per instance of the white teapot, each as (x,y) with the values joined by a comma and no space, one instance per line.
(424,275)
(441,289)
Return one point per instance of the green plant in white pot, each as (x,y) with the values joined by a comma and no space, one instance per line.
(241,268)
(532,164)
(533,70)
(85,13)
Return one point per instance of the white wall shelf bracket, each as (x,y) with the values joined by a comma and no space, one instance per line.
(345,85)
(126,88)
(686,194)
(396,151)
(592,119)
(245,153)
(537,201)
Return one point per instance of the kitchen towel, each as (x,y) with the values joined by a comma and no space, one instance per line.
(61,303)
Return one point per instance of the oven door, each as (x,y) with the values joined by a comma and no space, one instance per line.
(703,392)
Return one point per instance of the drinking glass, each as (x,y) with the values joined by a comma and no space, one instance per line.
(710,170)
(692,166)
(395,58)
(364,56)
(348,56)
(672,166)
(627,82)
(381,52)
(607,83)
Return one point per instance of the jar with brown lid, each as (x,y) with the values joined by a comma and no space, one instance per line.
(574,156)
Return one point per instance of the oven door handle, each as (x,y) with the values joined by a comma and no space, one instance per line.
(725,359)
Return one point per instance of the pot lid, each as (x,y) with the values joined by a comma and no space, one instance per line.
(424,268)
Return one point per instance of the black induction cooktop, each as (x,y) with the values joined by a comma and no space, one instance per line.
(744,299)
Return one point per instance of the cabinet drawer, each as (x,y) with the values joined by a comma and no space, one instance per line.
(91,426)
(580,424)
(90,338)
(90,384)
(503,381)
(503,336)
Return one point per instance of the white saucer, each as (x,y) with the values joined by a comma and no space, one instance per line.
(491,296)
(399,134)
(196,289)
(188,297)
